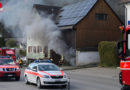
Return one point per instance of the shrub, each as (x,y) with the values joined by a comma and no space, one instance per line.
(11,43)
(22,52)
(107,52)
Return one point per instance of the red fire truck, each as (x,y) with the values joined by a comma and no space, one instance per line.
(8,52)
(123,51)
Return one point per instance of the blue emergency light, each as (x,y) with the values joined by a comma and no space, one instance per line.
(42,61)
(128,22)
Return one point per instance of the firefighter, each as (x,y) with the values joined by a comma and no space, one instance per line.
(20,62)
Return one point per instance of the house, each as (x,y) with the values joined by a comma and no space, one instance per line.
(85,24)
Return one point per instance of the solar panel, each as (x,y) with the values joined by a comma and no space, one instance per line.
(73,13)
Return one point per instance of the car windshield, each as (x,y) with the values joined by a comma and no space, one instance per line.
(6,61)
(48,68)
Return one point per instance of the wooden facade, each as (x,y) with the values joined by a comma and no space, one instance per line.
(91,30)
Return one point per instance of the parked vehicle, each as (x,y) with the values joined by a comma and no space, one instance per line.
(9,69)
(45,74)
(8,52)
(123,51)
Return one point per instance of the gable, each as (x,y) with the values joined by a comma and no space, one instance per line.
(90,30)
(101,7)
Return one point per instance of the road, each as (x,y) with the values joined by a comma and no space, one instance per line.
(81,79)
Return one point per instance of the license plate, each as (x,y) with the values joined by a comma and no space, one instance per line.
(10,75)
(10,69)
(58,81)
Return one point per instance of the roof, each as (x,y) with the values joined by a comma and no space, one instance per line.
(72,14)
(118,9)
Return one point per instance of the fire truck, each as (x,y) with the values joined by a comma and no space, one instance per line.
(8,52)
(123,50)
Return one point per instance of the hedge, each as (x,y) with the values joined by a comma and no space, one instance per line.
(22,52)
(11,43)
(107,53)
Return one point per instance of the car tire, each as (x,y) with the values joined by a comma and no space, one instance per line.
(17,78)
(120,78)
(39,83)
(64,86)
(124,87)
(26,80)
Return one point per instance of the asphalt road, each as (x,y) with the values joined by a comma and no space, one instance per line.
(81,79)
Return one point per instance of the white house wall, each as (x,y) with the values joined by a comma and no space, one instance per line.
(84,58)
(127,16)
(33,55)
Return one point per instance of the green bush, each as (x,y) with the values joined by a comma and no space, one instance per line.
(11,43)
(22,52)
(107,52)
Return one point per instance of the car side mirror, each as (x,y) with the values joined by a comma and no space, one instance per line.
(61,69)
(35,70)
(120,49)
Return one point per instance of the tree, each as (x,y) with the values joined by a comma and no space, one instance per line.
(11,43)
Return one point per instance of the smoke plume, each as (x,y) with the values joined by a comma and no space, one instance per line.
(20,17)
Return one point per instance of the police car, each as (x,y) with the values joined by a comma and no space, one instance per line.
(45,74)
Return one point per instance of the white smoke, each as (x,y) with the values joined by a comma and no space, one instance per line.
(20,16)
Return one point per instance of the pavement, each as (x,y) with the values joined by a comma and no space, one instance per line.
(111,72)
(78,67)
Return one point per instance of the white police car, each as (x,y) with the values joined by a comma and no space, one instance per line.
(45,74)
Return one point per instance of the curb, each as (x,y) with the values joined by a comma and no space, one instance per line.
(80,67)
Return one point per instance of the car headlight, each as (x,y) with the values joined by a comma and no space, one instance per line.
(17,69)
(1,69)
(46,76)
(64,76)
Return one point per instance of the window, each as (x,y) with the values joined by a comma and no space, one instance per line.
(101,16)
(34,67)
(31,66)
(29,49)
(48,68)
(38,49)
(34,49)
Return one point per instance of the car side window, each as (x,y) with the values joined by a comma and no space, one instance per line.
(34,68)
(30,67)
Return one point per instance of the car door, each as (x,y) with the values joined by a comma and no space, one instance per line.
(35,73)
(30,72)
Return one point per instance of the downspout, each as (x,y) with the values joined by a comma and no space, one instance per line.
(126,22)
(76,52)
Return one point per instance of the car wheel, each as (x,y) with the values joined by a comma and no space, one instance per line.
(39,83)
(26,80)
(64,86)
(17,78)
(124,87)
